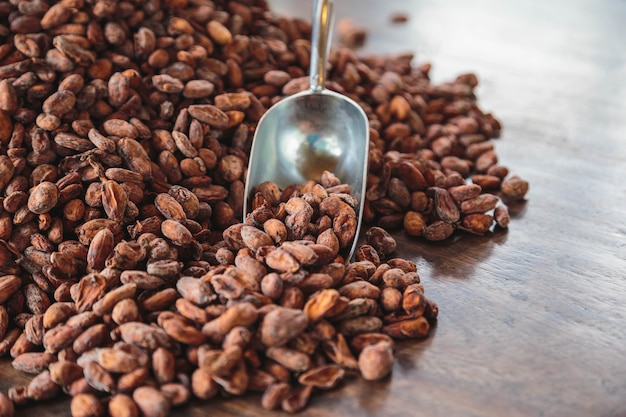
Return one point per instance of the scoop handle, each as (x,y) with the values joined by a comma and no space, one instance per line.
(323,19)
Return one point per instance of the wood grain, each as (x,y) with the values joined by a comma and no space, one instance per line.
(533,320)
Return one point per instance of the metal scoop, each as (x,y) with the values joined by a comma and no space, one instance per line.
(312,131)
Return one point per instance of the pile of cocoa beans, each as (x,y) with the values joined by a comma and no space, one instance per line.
(128,278)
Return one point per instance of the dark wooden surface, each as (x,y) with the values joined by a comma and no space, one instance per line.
(533,320)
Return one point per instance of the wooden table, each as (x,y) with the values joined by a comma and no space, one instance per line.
(533,320)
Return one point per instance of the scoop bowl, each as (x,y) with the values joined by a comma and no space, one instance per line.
(315,130)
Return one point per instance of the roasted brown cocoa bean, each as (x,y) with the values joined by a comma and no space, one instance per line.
(121,405)
(151,402)
(376,361)
(514,188)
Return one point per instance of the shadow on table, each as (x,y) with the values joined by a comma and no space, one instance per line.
(454,258)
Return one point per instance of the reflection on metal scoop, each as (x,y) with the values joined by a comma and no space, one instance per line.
(315,130)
